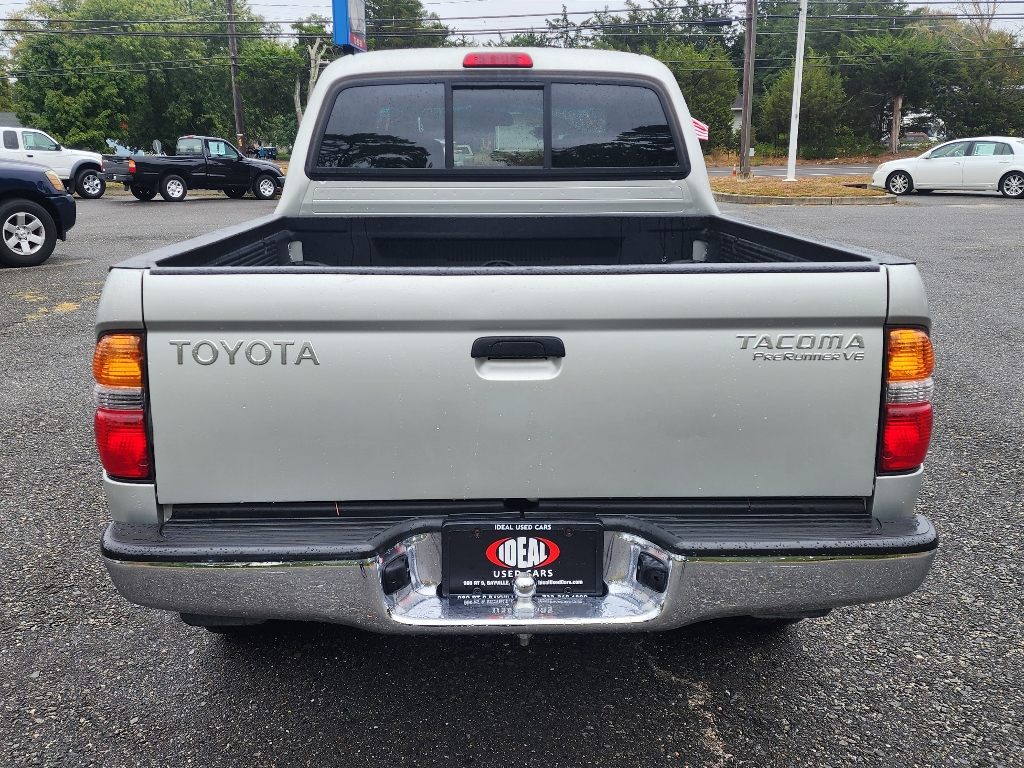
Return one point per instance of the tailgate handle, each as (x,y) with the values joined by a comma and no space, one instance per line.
(518,347)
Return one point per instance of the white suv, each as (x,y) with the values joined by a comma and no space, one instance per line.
(81,171)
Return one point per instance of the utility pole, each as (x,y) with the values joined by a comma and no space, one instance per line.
(235,94)
(748,88)
(798,79)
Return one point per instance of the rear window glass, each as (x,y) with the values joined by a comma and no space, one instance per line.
(503,126)
(988,148)
(386,126)
(609,126)
(10,139)
(190,146)
(498,127)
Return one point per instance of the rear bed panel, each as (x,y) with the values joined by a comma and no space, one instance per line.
(656,396)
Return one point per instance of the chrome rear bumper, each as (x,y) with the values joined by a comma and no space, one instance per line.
(350,591)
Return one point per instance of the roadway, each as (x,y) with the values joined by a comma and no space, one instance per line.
(930,680)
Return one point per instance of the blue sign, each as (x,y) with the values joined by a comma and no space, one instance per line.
(350,24)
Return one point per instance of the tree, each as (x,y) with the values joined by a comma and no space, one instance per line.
(313,45)
(134,88)
(267,69)
(822,106)
(403,24)
(642,30)
(892,73)
(981,90)
(708,81)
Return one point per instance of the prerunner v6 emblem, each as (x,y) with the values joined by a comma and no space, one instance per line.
(523,552)
(206,352)
(804,346)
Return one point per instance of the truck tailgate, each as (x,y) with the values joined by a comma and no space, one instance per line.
(672,385)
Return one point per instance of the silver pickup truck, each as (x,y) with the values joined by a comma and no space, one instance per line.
(498,365)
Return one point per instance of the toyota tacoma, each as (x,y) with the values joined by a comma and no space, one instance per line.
(497,364)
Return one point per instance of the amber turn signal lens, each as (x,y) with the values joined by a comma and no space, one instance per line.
(117,361)
(910,355)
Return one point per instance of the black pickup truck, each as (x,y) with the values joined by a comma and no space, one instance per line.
(200,162)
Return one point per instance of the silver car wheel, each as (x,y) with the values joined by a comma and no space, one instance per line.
(267,188)
(1013,185)
(175,188)
(24,234)
(899,183)
(91,184)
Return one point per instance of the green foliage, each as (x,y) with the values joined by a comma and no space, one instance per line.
(133,89)
(403,24)
(981,89)
(822,107)
(709,83)
(85,89)
(642,30)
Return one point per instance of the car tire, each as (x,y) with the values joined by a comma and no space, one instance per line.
(27,234)
(90,184)
(173,188)
(142,193)
(265,187)
(899,183)
(1012,185)
(236,193)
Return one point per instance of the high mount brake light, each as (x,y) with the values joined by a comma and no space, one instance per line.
(521,60)
(120,421)
(907,418)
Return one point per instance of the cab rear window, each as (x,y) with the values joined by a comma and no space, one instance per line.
(609,126)
(190,146)
(478,127)
(385,126)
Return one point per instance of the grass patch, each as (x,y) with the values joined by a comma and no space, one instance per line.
(718,158)
(804,186)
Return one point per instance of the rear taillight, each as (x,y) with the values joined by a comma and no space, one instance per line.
(907,418)
(120,423)
(124,447)
(131,166)
(514,60)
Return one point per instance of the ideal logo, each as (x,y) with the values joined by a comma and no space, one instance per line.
(523,552)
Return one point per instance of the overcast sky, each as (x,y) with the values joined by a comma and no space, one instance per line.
(277,10)
(447,9)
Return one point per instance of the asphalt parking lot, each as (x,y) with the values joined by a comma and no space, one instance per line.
(931,680)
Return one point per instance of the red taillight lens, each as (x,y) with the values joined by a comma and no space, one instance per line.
(124,447)
(497,60)
(131,166)
(907,432)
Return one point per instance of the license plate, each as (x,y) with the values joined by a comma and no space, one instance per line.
(483,558)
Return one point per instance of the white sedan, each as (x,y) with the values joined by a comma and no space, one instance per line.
(988,162)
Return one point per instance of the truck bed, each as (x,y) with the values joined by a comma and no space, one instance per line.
(502,244)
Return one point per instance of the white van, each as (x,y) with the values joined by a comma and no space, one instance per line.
(81,171)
